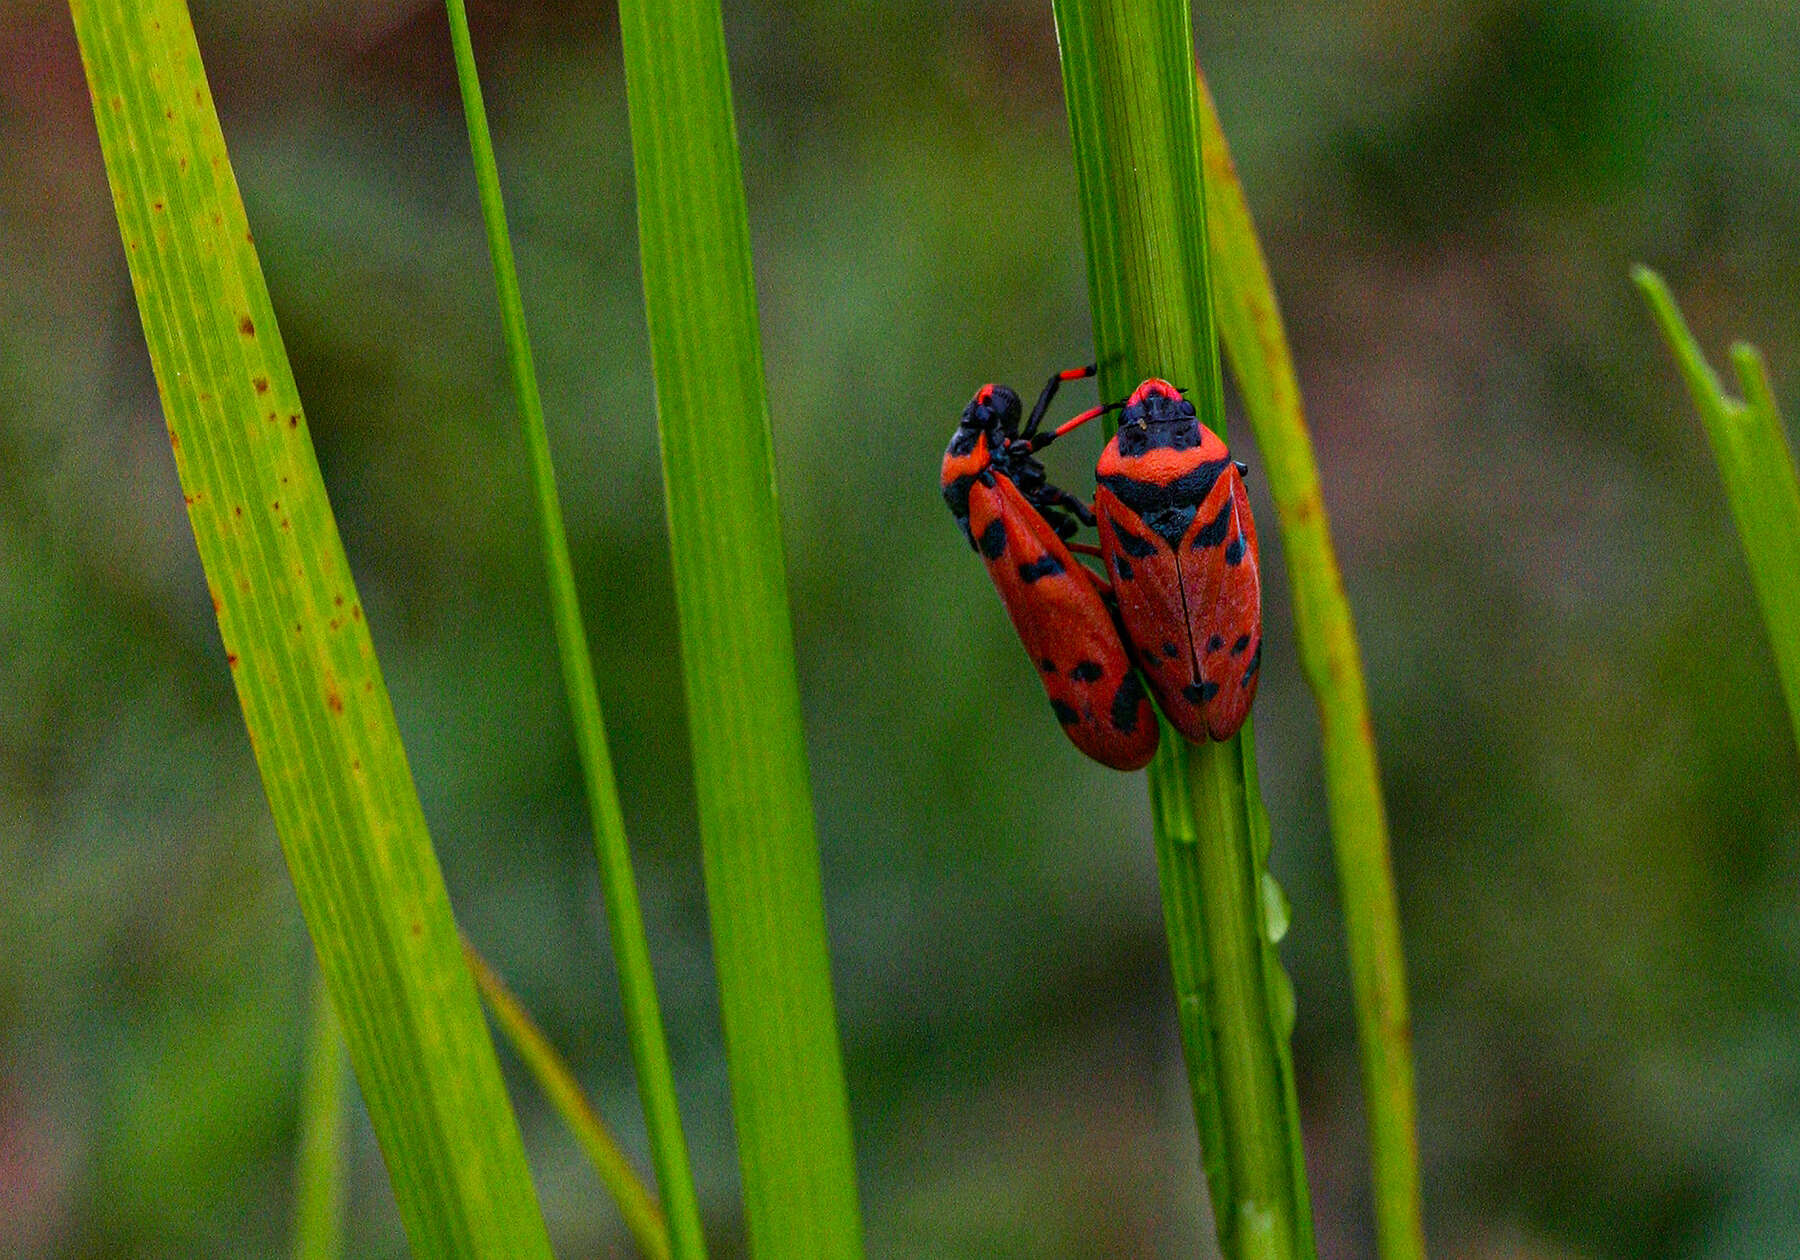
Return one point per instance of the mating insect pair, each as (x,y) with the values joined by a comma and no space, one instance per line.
(1176,537)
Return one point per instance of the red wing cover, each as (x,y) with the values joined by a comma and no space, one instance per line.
(1187,582)
(1057,609)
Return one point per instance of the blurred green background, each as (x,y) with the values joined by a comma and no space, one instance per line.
(1594,797)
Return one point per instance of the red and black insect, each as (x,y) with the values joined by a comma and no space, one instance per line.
(1178,540)
(1017,521)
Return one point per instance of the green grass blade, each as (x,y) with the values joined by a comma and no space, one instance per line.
(319,1176)
(625,920)
(1177,838)
(1256,346)
(318,714)
(743,697)
(643,1216)
(1128,79)
(1756,465)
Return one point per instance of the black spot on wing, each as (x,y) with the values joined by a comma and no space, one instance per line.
(1255,664)
(1065,713)
(1125,703)
(992,542)
(1234,554)
(1214,644)
(1212,533)
(1123,567)
(1132,545)
(1243,641)
(1047,665)
(1171,650)
(1199,693)
(1087,672)
(956,494)
(1044,566)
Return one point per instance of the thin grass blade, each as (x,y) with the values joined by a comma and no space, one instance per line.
(319,1173)
(643,1216)
(743,698)
(1756,465)
(1128,80)
(1250,326)
(318,714)
(624,917)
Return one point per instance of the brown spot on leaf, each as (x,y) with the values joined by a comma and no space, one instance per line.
(246,326)
(418,929)
(156,205)
(231,659)
(238,510)
(262,384)
(338,600)
(118,104)
(355,612)
(294,421)
(335,702)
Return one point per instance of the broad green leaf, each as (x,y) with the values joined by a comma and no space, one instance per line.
(743,698)
(1256,346)
(1128,80)
(298,648)
(1756,465)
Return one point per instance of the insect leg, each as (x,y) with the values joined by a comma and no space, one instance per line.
(1063,499)
(1049,394)
(1042,440)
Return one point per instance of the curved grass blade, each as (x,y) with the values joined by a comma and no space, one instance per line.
(319,1175)
(643,1216)
(318,714)
(743,697)
(1756,465)
(624,918)
(1250,326)
(1128,79)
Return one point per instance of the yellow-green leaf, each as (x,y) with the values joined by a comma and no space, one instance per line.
(298,647)
(1256,346)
